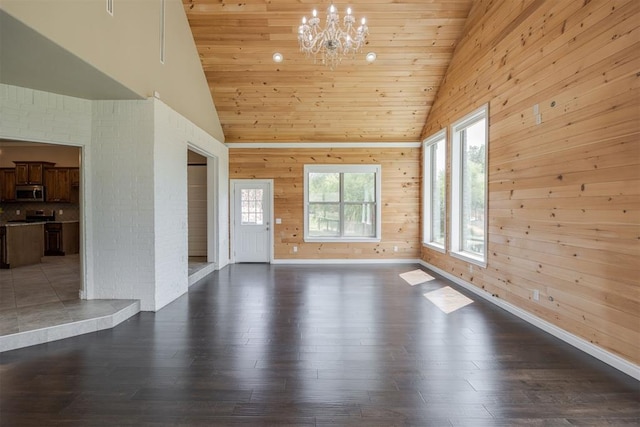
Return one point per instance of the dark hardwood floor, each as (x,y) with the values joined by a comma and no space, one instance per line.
(274,345)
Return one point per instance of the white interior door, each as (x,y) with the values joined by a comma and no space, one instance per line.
(251,220)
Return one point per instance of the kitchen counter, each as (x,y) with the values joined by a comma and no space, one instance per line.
(25,243)
(20,224)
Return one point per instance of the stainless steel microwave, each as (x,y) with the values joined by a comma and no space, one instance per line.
(29,193)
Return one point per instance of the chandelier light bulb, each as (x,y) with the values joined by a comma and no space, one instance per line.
(304,20)
(364,20)
(348,11)
(332,8)
(315,13)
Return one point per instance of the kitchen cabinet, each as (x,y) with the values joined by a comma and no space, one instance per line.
(74,177)
(7,184)
(57,184)
(31,172)
(53,239)
(61,238)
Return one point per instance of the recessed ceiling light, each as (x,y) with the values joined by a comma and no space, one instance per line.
(277,57)
(371,56)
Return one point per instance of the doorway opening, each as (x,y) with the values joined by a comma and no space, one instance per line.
(53,225)
(202,213)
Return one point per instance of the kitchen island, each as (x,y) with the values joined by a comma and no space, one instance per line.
(22,244)
(25,243)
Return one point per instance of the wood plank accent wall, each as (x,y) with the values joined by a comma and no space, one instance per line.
(564,195)
(400,198)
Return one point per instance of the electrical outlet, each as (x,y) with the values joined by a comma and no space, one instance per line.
(17,211)
(295,249)
(395,249)
(536,295)
(470,268)
(60,212)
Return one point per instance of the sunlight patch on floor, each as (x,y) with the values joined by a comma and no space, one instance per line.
(447,299)
(416,277)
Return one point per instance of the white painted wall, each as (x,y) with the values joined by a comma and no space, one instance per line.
(122,196)
(43,117)
(135,181)
(170,187)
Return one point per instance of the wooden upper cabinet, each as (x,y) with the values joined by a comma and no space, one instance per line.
(57,185)
(74,176)
(31,172)
(7,185)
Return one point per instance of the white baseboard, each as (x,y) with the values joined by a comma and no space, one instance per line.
(607,357)
(345,261)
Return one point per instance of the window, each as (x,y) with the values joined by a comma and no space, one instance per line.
(341,203)
(434,190)
(469,186)
(251,212)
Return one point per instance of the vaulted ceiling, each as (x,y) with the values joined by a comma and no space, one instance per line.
(298,100)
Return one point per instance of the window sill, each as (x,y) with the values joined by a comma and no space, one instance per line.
(434,247)
(342,240)
(471,258)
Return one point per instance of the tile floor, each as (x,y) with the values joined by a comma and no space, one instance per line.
(47,295)
(40,295)
(197,263)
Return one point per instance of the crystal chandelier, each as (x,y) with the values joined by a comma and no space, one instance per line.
(335,41)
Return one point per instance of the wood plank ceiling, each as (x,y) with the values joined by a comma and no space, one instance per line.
(298,100)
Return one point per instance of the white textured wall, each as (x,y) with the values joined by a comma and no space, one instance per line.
(122,196)
(170,183)
(135,181)
(37,116)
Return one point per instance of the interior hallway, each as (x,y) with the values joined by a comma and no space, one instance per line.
(257,344)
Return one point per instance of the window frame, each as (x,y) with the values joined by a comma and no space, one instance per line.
(428,162)
(456,232)
(341,169)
